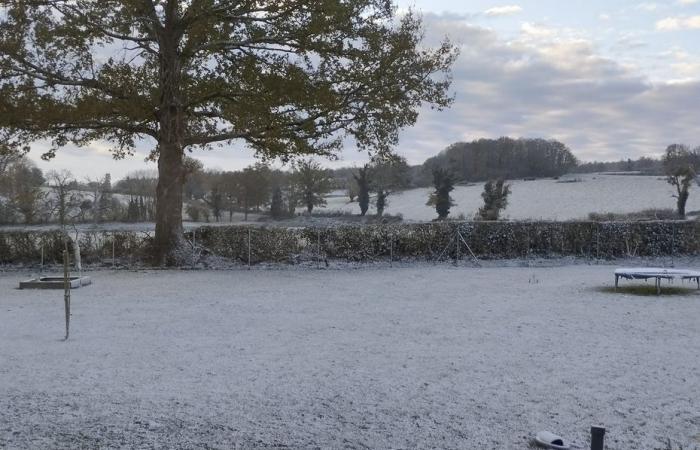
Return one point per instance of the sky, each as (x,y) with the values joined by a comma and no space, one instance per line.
(611,79)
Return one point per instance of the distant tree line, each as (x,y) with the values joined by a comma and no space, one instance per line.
(504,158)
(643,165)
(27,195)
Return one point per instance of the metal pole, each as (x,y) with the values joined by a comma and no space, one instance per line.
(318,249)
(114,253)
(391,250)
(597,438)
(42,257)
(673,243)
(66,288)
(248,248)
(194,247)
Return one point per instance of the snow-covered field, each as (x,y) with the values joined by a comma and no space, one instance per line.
(544,199)
(411,357)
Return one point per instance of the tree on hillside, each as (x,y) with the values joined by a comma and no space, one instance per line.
(287,78)
(440,198)
(681,166)
(311,182)
(508,158)
(495,197)
(362,180)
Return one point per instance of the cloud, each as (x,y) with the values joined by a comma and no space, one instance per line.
(533,30)
(544,82)
(679,23)
(554,83)
(503,10)
(687,2)
(648,6)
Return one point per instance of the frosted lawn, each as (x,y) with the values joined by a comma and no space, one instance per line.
(412,357)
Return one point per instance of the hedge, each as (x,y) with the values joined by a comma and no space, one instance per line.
(487,240)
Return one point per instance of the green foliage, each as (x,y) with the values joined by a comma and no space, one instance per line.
(362,180)
(495,197)
(349,66)
(277,204)
(311,182)
(509,158)
(287,78)
(440,198)
(21,187)
(681,166)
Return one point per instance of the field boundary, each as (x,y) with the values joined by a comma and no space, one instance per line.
(363,243)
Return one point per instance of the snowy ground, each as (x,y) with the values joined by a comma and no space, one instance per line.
(420,356)
(543,199)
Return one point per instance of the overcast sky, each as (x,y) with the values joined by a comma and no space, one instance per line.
(611,79)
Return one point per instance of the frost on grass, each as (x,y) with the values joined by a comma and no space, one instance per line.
(411,357)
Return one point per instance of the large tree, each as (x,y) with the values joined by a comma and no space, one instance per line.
(286,77)
(681,166)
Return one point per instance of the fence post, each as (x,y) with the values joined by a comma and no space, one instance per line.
(114,253)
(673,243)
(249,248)
(318,248)
(194,247)
(42,257)
(391,250)
(66,287)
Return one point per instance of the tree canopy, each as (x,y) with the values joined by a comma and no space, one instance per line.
(287,78)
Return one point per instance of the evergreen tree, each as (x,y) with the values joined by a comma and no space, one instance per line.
(362,180)
(132,211)
(277,206)
(215,200)
(440,198)
(142,210)
(381,201)
(495,197)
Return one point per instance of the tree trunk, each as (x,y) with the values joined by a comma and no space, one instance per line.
(169,232)
(682,199)
(169,238)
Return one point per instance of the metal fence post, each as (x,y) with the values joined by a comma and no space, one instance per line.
(194,248)
(391,250)
(249,248)
(66,287)
(318,248)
